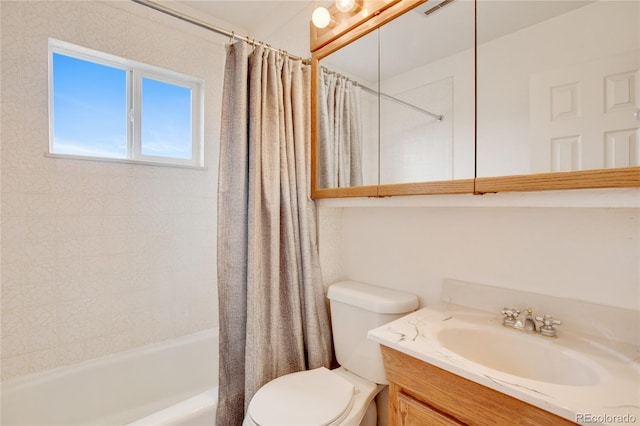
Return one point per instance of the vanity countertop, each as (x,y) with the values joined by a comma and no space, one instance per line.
(608,394)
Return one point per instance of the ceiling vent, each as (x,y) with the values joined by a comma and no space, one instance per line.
(432,6)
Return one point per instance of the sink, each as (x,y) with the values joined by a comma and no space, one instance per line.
(520,354)
(583,370)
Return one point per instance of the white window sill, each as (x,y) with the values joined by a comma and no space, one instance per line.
(123,160)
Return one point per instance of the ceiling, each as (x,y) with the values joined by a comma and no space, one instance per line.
(259,18)
(415,39)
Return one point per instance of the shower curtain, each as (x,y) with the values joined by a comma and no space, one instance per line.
(339,131)
(272,310)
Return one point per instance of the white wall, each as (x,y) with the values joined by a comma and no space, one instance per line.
(450,141)
(585,253)
(293,35)
(99,257)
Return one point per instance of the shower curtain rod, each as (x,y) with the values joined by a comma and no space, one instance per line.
(438,117)
(231,34)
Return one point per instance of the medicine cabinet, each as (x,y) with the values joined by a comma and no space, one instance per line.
(557,95)
(450,97)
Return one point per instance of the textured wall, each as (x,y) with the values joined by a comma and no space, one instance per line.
(99,257)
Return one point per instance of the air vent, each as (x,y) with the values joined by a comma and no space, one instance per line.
(433,6)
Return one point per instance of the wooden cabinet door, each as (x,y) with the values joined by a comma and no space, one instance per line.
(412,412)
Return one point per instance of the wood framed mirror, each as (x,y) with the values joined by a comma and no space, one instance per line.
(558,95)
(368,27)
(414,128)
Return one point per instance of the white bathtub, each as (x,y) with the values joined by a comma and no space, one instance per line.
(169,383)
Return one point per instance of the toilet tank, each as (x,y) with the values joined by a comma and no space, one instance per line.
(357,308)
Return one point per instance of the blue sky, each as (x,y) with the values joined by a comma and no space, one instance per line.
(166,119)
(90,112)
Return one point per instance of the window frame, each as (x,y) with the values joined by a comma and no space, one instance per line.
(135,72)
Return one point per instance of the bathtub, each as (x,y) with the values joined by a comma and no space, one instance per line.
(168,383)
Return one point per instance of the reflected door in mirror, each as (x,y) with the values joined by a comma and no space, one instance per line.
(558,86)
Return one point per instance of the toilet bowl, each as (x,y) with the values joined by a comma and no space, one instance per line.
(315,397)
(345,395)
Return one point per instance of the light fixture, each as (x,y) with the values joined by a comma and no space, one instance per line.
(345,5)
(321,17)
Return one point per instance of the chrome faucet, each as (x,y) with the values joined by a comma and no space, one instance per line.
(525,322)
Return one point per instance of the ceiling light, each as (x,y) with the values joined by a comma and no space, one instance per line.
(321,17)
(345,5)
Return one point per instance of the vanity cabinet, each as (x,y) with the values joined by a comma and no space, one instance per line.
(422,394)
(411,411)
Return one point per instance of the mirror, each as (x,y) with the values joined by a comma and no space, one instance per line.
(557,88)
(347,143)
(395,115)
(542,121)
(426,94)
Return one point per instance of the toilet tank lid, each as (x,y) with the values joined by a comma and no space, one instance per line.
(372,298)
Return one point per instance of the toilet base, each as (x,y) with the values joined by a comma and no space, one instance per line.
(382,404)
(364,406)
(371,416)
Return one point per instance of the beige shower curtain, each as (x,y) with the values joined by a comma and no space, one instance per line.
(340,133)
(273,318)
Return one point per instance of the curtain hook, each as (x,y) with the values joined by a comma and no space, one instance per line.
(233,37)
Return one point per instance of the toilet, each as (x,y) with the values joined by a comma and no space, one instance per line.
(345,395)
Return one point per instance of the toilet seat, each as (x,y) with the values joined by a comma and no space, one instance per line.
(313,397)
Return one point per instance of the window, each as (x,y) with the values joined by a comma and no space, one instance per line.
(108,107)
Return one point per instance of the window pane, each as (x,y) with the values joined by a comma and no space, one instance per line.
(89,108)
(166,119)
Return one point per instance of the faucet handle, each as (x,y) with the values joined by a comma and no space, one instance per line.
(547,328)
(510,316)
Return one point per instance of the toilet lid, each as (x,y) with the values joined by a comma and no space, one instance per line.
(314,397)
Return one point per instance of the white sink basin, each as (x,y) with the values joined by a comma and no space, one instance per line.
(519,354)
(570,375)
